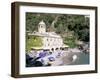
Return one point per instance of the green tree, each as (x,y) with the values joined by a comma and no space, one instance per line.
(33,41)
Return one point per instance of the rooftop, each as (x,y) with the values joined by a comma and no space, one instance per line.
(46,34)
(42,22)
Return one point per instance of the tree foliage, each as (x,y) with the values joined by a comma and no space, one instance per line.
(33,41)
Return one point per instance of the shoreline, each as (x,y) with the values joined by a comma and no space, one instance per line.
(67,57)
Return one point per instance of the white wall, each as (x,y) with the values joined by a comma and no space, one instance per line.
(5,40)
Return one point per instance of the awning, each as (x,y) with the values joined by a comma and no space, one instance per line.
(65,45)
(37,48)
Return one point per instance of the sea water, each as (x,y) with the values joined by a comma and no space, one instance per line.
(83,58)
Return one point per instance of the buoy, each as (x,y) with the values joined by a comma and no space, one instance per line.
(74,57)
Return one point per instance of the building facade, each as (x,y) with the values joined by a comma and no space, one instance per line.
(51,40)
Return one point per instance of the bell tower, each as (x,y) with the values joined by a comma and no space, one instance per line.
(42,27)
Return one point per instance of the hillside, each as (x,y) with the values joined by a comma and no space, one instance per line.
(72,28)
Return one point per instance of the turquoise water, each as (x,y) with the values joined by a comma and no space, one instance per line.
(82,59)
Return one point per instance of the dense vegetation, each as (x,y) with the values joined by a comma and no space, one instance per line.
(33,41)
(72,28)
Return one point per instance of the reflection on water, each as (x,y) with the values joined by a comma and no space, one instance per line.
(82,59)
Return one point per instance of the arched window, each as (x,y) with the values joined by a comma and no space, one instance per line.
(41,26)
(47,39)
(52,49)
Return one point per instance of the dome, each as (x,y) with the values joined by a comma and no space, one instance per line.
(42,22)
